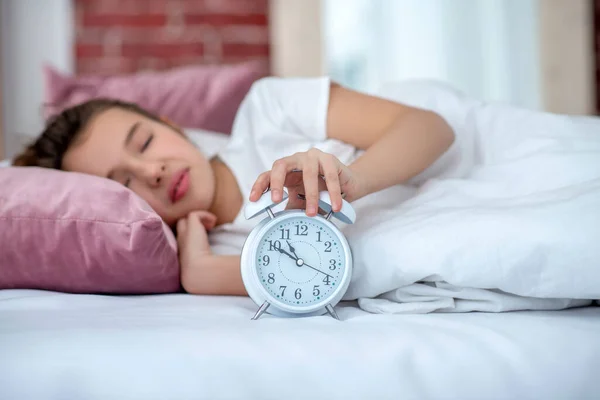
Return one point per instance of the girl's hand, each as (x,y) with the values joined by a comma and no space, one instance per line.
(308,173)
(192,236)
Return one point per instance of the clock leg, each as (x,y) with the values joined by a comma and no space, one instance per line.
(331,311)
(261,310)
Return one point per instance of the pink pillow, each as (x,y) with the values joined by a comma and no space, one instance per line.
(203,97)
(78,233)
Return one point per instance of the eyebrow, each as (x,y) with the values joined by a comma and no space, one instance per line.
(128,139)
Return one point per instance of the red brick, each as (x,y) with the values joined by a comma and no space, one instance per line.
(237,59)
(245,50)
(193,6)
(162,50)
(159,6)
(237,6)
(184,34)
(124,36)
(163,35)
(225,19)
(152,64)
(245,34)
(89,51)
(147,20)
(119,7)
(184,61)
(89,35)
(79,13)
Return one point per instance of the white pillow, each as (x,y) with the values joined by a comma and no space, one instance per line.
(207,141)
(5,163)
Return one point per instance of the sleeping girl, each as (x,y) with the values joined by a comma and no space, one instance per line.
(304,134)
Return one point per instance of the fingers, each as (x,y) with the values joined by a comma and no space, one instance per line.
(310,176)
(209,220)
(279,172)
(181,231)
(329,166)
(262,183)
(205,218)
(309,166)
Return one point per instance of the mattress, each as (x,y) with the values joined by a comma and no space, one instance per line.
(179,346)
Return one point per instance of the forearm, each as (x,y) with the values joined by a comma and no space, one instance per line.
(213,275)
(400,154)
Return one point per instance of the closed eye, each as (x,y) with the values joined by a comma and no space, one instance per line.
(147,143)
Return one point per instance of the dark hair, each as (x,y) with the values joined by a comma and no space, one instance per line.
(49,148)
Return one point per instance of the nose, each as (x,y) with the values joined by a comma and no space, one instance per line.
(152,173)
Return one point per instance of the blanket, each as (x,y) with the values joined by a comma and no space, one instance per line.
(513,223)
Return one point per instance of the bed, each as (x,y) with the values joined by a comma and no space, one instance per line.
(66,346)
(177,346)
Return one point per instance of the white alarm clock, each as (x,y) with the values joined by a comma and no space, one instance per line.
(294,265)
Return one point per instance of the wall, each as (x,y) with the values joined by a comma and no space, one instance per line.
(121,36)
(296,38)
(567,53)
(32,32)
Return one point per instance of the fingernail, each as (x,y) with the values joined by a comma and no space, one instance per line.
(275,194)
(311,209)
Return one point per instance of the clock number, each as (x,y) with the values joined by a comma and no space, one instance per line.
(327,247)
(266,260)
(316,290)
(326,280)
(282,288)
(298,293)
(332,264)
(274,246)
(271,278)
(285,233)
(319,236)
(301,230)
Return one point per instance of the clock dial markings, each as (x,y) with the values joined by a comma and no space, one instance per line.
(298,261)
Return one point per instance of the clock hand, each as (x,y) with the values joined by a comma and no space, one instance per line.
(318,270)
(292,249)
(282,251)
(300,262)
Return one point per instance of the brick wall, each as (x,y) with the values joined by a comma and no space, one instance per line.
(123,36)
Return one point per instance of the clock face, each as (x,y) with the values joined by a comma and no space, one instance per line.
(300,261)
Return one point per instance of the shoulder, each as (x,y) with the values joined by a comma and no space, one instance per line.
(278,86)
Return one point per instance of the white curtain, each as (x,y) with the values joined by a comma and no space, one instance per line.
(488,48)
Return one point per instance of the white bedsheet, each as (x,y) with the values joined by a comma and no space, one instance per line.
(62,346)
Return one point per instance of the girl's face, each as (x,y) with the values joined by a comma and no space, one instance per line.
(149,157)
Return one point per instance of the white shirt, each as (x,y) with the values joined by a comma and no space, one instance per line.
(280,117)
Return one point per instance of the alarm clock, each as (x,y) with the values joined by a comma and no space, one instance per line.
(294,265)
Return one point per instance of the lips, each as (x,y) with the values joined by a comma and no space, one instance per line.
(179,185)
